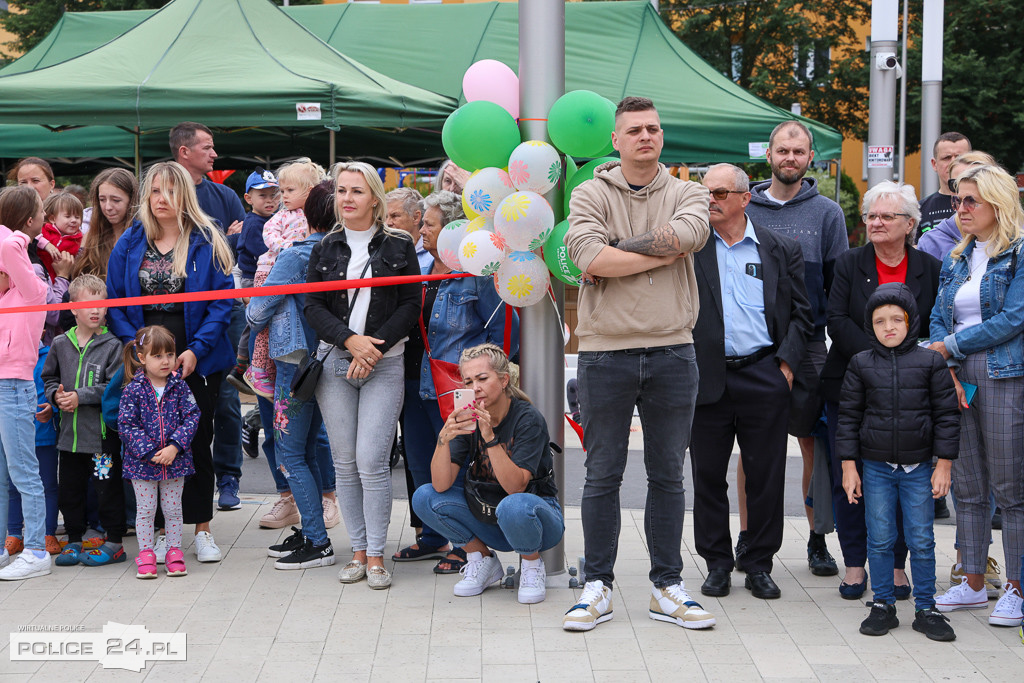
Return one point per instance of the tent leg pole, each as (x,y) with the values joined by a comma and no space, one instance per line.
(138,154)
(541,82)
(331,148)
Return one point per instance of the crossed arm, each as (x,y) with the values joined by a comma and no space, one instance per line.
(659,247)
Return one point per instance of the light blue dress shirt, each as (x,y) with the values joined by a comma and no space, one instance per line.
(746,330)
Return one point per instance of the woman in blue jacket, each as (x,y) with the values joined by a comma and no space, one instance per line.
(977,324)
(297,424)
(172,248)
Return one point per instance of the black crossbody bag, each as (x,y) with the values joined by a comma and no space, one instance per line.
(483,497)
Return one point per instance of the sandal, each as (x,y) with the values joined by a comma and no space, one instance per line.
(97,557)
(175,563)
(450,566)
(411,554)
(146,562)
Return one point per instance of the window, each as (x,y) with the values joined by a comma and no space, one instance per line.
(811,61)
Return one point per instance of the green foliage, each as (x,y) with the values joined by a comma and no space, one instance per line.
(30,20)
(849,195)
(785,51)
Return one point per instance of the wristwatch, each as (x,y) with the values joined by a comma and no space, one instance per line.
(492,443)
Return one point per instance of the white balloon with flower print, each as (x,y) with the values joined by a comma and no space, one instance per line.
(448,241)
(522,279)
(535,166)
(524,220)
(481,252)
(485,189)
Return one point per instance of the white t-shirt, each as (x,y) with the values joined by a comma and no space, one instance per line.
(769,196)
(967,303)
(359,244)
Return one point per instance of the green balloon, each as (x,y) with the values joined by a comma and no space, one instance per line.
(480,134)
(583,174)
(570,169)
(556,256)
(580,123)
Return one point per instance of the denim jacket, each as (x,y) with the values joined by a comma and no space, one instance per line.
(459,320)
(1001,333)
(289,331)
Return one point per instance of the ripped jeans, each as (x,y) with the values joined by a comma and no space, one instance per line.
(296,431)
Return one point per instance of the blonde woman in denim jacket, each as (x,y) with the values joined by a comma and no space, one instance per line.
(977,324)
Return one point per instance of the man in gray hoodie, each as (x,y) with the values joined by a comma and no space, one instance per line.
(790,204)
(633,229)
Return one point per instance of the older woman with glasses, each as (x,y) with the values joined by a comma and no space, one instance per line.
(977,324)
(891,215)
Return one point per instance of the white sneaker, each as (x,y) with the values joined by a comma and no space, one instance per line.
(5,559)
(160,549)
(26,566)
(533,587)
(594,607)
(206,549)
(674,605)
(961,596)
(1008,609)
(478,573)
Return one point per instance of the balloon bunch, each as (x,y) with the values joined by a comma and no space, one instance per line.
(508,218)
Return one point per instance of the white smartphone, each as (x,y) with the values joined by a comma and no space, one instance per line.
(463,397)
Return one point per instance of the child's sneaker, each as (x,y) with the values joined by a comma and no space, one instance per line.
(69,555)
(146,563)
(236,378)
(674,605)
(175,562)
(1008,609)
(260,382)
(881,618)
(962,597)
(931,623)
(594,607)
(53,545)
(26,566)
(14,545)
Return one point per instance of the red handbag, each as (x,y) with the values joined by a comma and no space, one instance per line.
(446,375)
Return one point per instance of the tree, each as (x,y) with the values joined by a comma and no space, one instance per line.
(981,77)
(784,51)
(30,20)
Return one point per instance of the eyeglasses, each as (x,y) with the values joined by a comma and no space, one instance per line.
(969,202)
(721,194)
(884,217)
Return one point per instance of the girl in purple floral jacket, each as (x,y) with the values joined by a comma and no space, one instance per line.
(157,420)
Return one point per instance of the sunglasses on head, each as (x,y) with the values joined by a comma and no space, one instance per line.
(969,202)
(721,194)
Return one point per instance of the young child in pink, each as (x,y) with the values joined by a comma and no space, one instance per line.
(62,231)
(286,227)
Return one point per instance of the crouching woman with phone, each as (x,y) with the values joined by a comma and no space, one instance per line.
(509,501)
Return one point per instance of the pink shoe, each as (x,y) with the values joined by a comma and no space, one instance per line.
(146,562)
(260,382)
(175,563)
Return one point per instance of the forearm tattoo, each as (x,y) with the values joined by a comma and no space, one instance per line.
(661,241)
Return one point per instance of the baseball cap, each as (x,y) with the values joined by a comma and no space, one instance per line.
(259,179)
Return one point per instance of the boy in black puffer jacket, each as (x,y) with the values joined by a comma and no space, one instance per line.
(897,410)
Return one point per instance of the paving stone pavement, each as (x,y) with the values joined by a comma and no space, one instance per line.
(245,621)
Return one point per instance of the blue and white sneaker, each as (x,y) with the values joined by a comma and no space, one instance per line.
(228,497)
(674,605)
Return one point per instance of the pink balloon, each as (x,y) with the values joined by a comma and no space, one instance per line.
(492,81)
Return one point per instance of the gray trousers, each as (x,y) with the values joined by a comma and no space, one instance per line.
(361,416)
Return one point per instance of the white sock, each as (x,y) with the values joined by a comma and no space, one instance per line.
(533,563)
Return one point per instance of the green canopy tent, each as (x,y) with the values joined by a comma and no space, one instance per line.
(613,48)
(230,64)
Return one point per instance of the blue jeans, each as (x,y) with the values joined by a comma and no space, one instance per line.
(662,384)
(297,426)
(420,427)
(323,451)
(883,489)
(18,463)
(227,419)
(47,457)
(526,523)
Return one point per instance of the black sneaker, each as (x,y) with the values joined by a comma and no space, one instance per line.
(880,620)
(741,549)
(941,508)
(997,519)
(235,378)
(288,545)
(933,624)
(308,556)
(819,560)
(251,426)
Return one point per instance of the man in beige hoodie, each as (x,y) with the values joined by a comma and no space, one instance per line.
(632,231)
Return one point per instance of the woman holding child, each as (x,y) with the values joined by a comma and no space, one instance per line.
(891,215)
(172,248)
(977,324)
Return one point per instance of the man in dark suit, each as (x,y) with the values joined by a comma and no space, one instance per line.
(753,325)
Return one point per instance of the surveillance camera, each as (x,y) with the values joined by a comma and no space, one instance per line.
(886,61)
